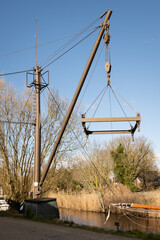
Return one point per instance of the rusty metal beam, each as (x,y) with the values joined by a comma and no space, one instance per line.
(113,119)
(109,132)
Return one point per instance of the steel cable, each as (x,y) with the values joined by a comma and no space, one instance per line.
(120,105)
(69,49)
(90,77)
(95,100)
(69,42)
(125,100)
(98,104)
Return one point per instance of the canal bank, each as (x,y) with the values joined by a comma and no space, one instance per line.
(22,229)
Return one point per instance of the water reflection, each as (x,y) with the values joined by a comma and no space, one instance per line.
(126,222)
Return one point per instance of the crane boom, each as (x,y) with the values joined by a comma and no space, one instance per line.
(75,97)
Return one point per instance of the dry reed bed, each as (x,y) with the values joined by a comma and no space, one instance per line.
(80,202)
(90,202)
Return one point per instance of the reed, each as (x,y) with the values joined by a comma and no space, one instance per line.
(90,201)
(80,202)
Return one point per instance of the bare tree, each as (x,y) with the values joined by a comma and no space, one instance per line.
(17,115)
(16,142)
(51,124)
(94,171)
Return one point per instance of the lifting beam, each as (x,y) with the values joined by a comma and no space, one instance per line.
(114,119)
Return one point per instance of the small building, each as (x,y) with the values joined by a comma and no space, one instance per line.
(42,208)
(150,180)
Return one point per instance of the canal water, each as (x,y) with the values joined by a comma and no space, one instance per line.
(125,221)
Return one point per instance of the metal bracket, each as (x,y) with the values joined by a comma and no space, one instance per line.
(29,85)
(43,83)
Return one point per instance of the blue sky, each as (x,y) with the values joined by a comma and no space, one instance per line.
(135,50)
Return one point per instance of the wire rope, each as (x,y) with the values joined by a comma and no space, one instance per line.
(100,101)
(11,73)
(120,105)
(18,72)
(41,44)
(56,102)
(90,78)
(124,100)
(16,51)
(70,48)
(98,104)
(38,45)
(109,54)
(110,108)
(62,47)
(144,218)
(70,41)
(125,214)
(95,100)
